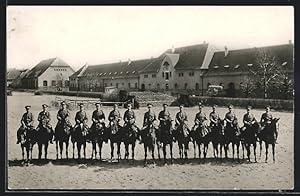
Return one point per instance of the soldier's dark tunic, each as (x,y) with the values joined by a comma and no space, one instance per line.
(97,116)
(44,120)
(27,120)
(114,115)
(200,118)
(266,118)
(180,119)
(164,118)
(149,118)
(114,121)
(230,117)
(81,117)
(248,119)
(214,118)
(63,122)
(129,118)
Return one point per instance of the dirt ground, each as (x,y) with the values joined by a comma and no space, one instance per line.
(191,174)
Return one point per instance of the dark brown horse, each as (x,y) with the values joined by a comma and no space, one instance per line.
(43,136)
(181,134)
(201,136)
(62,135)
(28,139)
(130,135)
(149,139)
(267,135)
(216,137)
(115,137)
(96,136)
(79,136)
(165,137)
(249,137)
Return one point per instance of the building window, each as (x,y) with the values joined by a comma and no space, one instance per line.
(105,84)
(158,86)
(128,85)
(185,86)
(191,74)
(163,74)
(153,75)
(136,85)
(167,86)
(67,83)
(149,86)
(167,75)
(45,83)
(176,86)
(110,84)
(180,74)
(117,85)
(122,83)
(197,86)
(145,76)
(53,83)
(170,74)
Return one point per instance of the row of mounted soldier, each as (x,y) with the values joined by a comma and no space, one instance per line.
(221,132)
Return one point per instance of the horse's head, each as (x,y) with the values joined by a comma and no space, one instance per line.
(274,125)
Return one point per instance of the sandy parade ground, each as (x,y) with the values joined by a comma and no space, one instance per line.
(191,174)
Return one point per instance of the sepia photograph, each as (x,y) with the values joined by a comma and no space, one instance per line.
(150,98)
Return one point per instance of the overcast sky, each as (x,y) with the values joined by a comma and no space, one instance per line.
(107,34)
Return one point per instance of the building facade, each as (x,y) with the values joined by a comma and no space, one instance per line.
(49,73)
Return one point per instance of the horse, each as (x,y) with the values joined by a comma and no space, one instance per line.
(222,139)
(129,136)
(201,135)
(182,137)
(80,136)
(27,142)
(165,137)
(96,135)
(62,135)
(115,137)
(149,139)
(232,135)
(248,137)
(268,137)
(44,134)
(216,137)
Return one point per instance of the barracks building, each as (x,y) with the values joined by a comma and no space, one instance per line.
(189,69)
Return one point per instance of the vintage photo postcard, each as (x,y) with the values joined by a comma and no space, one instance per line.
(150,98)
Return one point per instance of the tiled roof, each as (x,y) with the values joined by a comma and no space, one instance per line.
(77,72)
(13,74)
(120,69)
(240,60)
(42,66)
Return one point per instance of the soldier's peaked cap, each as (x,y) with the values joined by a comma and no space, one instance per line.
(63,103)
(181,105)
(165,104)
(214,105)
(149,104)
(27,106)
(200,104)
(230,106)
(44,105)
(268,106)
(249,107)
(80,104)
(97,103)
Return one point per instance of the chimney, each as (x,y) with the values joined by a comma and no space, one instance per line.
(173,49)
(129,61)
(290,42)
(225,51)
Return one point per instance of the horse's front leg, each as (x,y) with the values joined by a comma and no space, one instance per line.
(111,150)
(254,151)
(56,145)
(132,150)
(84,150)
(145,151)
(93,149)
(46,150)
(171,152)
(23,153)
(267,147)
(78,150)
(100,144)
(164,152)
(126,150)
(238,150)
(194,144)
(119,150)
(273,152)
(199,150)
(185,150)
(61,146)
(232,145)
(40,151)
(158,149)
(73,146)
(67,149)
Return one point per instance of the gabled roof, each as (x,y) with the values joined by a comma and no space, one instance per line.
(77,73)
(13,74)
(42,66)
(119,69)
(241,60)
(191,57)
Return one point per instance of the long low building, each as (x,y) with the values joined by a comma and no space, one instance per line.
(188,69)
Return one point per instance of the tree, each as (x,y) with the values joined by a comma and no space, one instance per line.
(284,85)
(248,86)
(266,71)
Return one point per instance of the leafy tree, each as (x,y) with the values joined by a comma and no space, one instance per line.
(248,86)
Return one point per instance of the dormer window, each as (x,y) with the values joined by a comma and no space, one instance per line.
(216,67)
(104,74)
(226,66)
(115,73)
(133,71)
(284,63)
(237,66)
(100,74)
(127,72)
(121,72)
(109,73)
(250,64)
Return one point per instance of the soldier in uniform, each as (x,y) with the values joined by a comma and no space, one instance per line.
(44,121)
(129,118)
(98,118)
(266,119)
(200,119)
(181,121)
(231,118)
(165,121)
(149,117)
(63,119)
(81,119)
(214,117)
(26,123)
(248,119)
